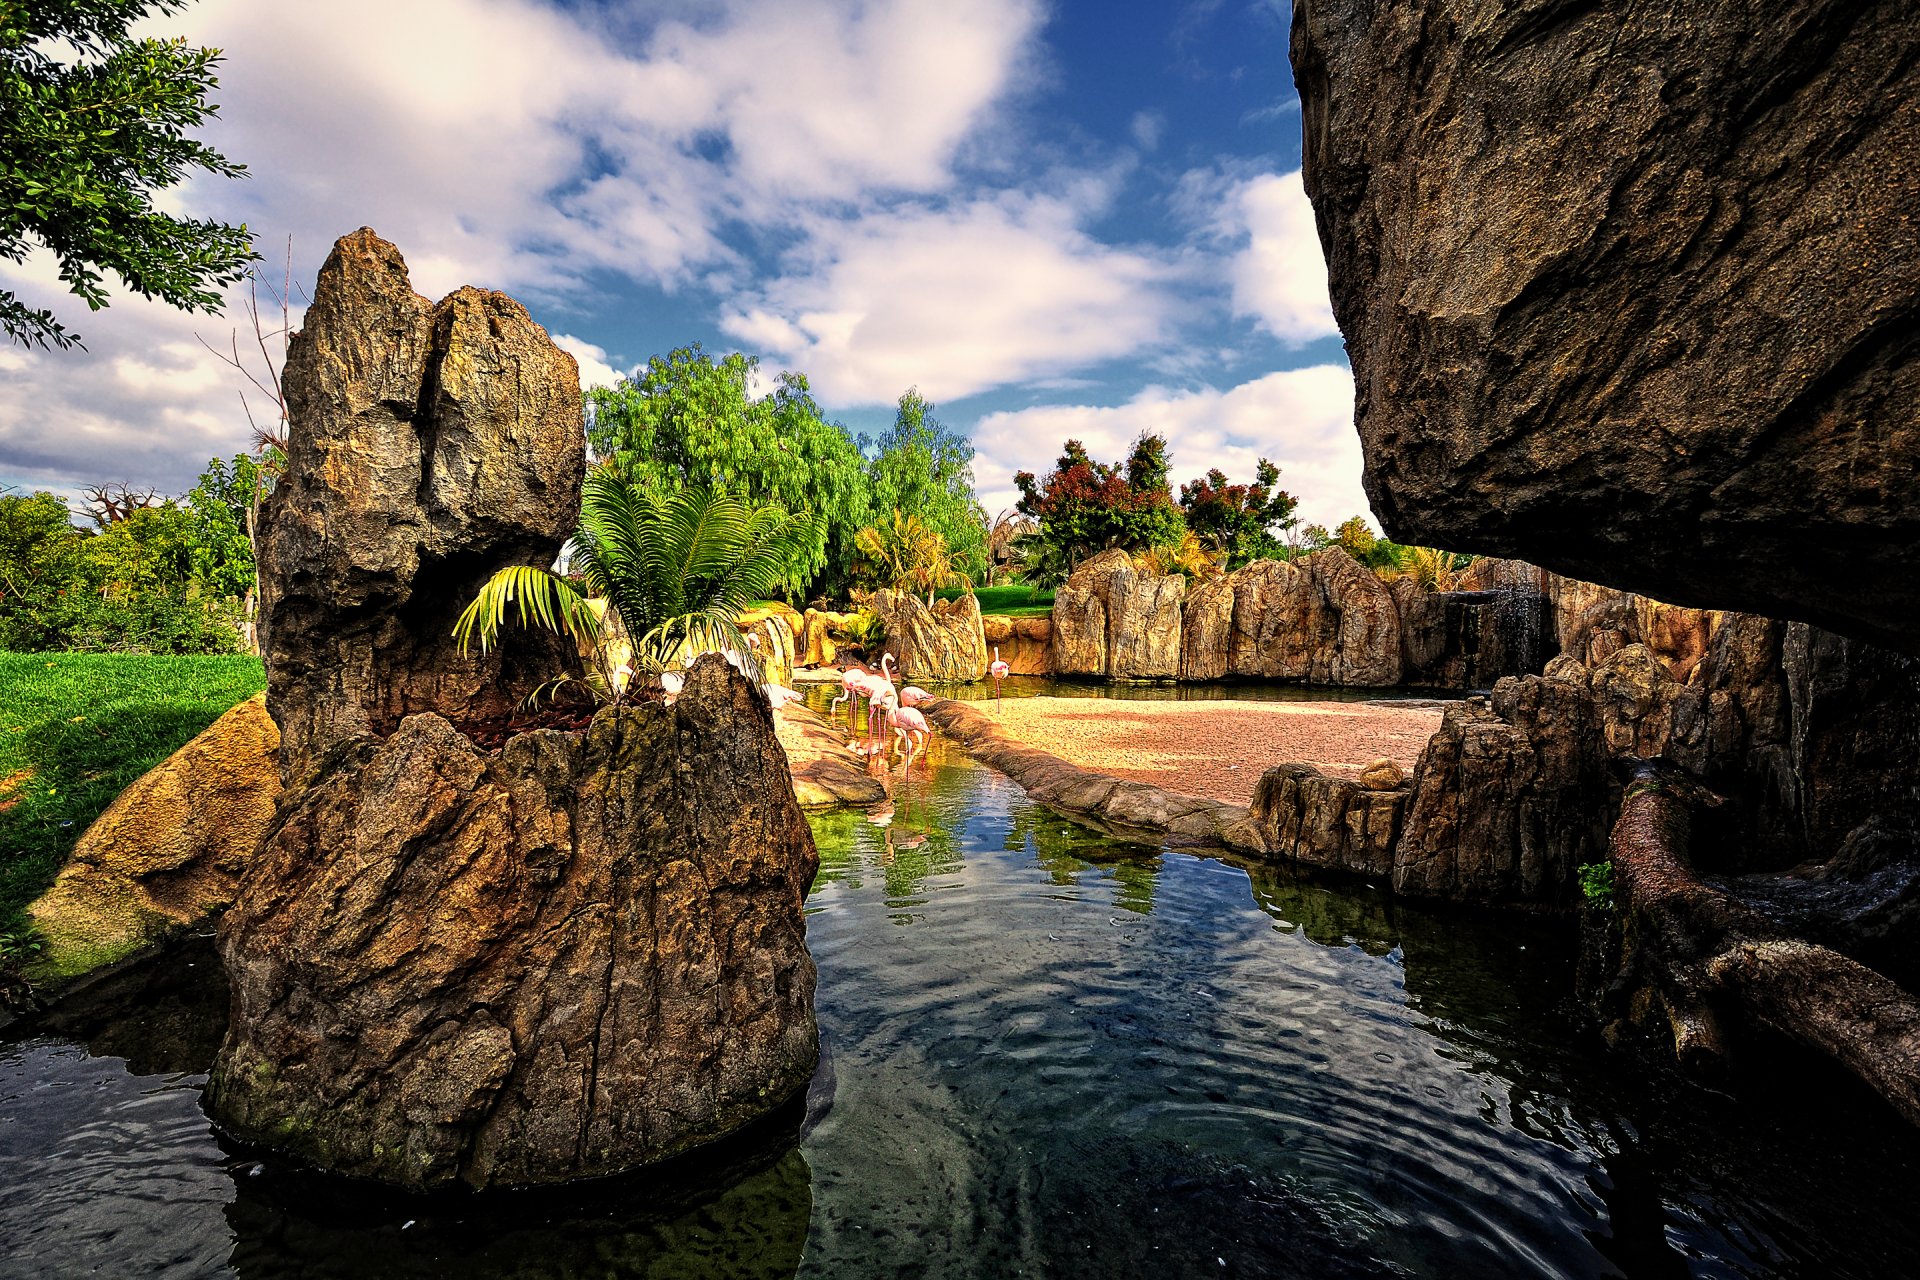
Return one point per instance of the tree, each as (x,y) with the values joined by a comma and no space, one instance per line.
(677,569)
(1239,521)
(115,500)
(225,507)
(1084,506)
(687,420)
(921,466)
(908,554)
(92,123)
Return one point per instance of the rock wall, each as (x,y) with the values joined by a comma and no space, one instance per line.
(575,956)
(1025,644)
(1630,290)
(944,642)
(435,444)
(1114,621)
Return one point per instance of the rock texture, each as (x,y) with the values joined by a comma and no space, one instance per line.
(433,444)
(1114,621)
(1025,643)
(945,642)
(578,955)
(169,851)
(1308,818)
(1632,290)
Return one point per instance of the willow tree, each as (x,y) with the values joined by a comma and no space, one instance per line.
(688,420)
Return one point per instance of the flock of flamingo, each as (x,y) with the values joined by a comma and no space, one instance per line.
(896,708)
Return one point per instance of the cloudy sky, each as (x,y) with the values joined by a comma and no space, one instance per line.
(1069,218)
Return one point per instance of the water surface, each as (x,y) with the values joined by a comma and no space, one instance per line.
(1048,1053)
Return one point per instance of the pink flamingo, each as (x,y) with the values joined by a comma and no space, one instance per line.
(881,687)
(910,727)
(913,695)
(853,687)
(999,671)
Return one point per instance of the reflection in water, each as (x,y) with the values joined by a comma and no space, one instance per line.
(1054,1053)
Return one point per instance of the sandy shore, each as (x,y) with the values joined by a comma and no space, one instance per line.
(1216,749)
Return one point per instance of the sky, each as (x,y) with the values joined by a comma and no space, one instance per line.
(1079,219)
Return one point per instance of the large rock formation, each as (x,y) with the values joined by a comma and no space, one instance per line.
(1631,290)
(1111,619)
(1025,644)
(573,954)
(168,852)
(1322,619)
(434,444)
(577,955)
(944,641)
(1307,817)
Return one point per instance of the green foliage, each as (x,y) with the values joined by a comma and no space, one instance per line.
(1596,884)
(224,505)
(906,554)
(92,123)
(678,569)
(75,729)
(1084,507)
(1017,600)
(1239,522)
(691,420)
(920,466)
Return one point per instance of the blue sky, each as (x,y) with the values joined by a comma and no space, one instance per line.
(1067,219)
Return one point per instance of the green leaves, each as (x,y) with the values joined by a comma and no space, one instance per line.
(84,143)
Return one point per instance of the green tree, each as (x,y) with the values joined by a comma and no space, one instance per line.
(920,466)
(224,506)
(909,555)
(1084,507)
(92,123)
(1239,521)
(677,568)
(690,420)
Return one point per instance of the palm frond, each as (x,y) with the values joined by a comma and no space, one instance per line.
(541,598)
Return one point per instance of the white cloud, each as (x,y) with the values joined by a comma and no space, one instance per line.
(1280,278)
(594,369)
(1147,128)
(1300,418)
(955,300)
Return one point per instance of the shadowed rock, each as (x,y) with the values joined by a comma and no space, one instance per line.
(1632,290)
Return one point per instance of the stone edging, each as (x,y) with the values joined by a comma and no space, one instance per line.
(1123,806)
(824,776)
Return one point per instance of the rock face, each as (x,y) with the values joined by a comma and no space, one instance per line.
(169,851)
(945,642)
(435,443)
(1025,643)
(1322,619)
(1112,620)
(582,952)
(576,956)
(1307,817)
(1631,290)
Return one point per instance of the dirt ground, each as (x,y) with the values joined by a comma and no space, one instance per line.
(1217,749)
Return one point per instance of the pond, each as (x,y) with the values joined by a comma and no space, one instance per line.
(1047,1053)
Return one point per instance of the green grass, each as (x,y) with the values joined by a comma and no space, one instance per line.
(1017,601)
(75,729)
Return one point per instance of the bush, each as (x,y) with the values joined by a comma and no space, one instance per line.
(85,622)
(1596,884)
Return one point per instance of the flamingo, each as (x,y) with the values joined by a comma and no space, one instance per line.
(881,687)
(779,695)
(853,687)
(999,671)
(913,695)
(911,728)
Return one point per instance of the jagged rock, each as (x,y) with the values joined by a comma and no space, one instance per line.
(816,647)
(1855,715)
(1112,620)
(1024,643)
(436,443)
(945,642)
(1322,619)
(1509,797)
(773,644)
(581,954)
(1551,227)
(1206,629)
(1307,817)
(169,851)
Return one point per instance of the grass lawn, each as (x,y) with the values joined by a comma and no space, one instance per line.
(1017,601)
(76,728)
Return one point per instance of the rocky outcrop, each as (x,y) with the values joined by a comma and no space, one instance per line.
(583,953)
(1630,290)
(168,852)
(815,646)
(435,443)
(1025,643)
(824,775)
(1112,620)
(1308,818)
(1322,619)
(941,642)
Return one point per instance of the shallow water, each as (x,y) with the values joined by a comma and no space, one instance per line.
(1048,1053)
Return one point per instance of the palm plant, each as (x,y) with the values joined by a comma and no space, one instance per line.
(1433,569)
(906,554)
(676,570)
